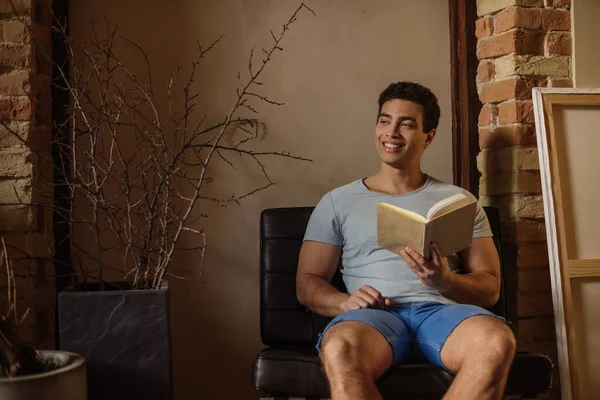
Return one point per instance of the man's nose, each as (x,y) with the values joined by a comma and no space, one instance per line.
(395,131)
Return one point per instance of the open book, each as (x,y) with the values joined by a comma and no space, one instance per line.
(449,223)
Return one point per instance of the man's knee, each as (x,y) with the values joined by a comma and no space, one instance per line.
(480,343)
(353,345)
(501,344)
(496,343)
(340,345)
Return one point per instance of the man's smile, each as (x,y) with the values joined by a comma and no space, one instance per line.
(393,147)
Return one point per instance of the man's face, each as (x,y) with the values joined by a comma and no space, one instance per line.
(399,136)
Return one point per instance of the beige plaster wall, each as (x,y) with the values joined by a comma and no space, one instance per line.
(586,52)
(329,75)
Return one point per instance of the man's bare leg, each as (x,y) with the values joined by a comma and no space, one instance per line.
(480,351)
(354,354)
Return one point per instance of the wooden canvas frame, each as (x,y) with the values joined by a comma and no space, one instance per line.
(564,269)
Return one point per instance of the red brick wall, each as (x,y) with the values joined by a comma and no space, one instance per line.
(25,109)
(521,44)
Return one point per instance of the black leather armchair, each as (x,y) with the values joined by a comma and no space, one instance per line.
(290,366)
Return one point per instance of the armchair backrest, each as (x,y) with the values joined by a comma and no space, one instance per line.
(283,320)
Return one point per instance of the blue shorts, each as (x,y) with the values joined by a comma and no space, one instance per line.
(416,331)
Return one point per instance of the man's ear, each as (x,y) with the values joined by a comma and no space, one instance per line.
(430,136)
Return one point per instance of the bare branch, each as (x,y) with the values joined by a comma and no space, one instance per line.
(136,173)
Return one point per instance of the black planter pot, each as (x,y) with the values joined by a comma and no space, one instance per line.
(124,336)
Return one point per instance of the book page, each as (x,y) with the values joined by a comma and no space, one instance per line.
(450,208)
(439,207)
(408,213)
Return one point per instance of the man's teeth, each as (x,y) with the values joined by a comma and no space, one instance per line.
(392,146)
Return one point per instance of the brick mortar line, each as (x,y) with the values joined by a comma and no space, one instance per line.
(508,78)
(510,171)
(493,13)
(15,44)
(553,55)
(520,28)
(511,124)
(16,69)
(12,16)
(515,218)
(12,178)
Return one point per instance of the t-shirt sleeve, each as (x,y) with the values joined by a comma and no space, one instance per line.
(482,225)
(323,225)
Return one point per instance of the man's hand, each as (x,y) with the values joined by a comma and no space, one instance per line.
(365,297)
(432,272)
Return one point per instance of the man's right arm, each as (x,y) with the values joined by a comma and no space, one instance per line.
(316,266)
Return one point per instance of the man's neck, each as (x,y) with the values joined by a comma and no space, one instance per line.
(396,181)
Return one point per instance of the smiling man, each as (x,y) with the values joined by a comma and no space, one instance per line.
(402,308)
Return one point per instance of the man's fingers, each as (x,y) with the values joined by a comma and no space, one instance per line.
(436,253)
(376,294)
(419,259)
(412,264)
(418,271)
(368,297)
(362,303)
(381,300)
(364,298)
(369,289)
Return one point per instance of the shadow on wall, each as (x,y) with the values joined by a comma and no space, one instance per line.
(210,355)
(509,173)
(497,163)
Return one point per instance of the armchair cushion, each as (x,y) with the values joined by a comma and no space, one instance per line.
(298,372)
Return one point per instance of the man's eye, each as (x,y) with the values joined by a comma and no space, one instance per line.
(408,125)
(383,122)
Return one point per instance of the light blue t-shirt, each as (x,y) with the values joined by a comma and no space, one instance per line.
(347,217)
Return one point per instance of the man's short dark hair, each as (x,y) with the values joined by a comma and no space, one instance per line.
(417,94)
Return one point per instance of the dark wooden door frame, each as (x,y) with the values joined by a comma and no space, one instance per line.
(465,100)
(60,129)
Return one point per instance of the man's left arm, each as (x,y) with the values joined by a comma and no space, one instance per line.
(480,283)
